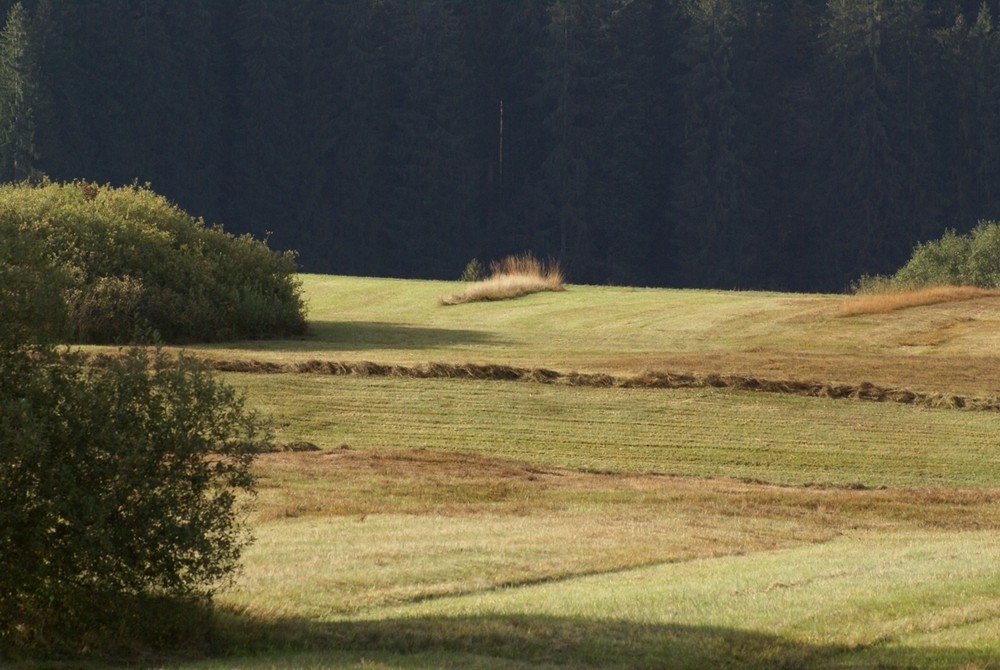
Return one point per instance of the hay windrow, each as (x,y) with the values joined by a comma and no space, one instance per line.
(864,391)
(651,379)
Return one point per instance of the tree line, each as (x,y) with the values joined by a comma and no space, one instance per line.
(784,144)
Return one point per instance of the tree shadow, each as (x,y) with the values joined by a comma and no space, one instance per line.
(545,641)
(332,336)
(352,335)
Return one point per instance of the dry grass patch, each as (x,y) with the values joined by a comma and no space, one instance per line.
(890,301)
(512,277)
(347,530)
(357,483)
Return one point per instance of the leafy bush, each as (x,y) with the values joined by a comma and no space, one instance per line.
(957,260)
(121,489)
(31,289)
(133,262)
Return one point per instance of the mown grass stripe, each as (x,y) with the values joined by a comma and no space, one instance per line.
(648,380)
(694,432)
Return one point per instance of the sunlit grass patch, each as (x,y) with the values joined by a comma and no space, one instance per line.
(453,519)
(344,531)
(819,605)
(512,277)
(882,302)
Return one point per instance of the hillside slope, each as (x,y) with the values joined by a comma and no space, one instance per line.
(949,348)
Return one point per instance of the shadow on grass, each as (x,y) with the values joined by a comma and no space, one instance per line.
(495,642)
(541,641)
(362,335)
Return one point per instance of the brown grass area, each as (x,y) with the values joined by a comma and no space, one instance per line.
(512,277)
(349,482)
(890,301)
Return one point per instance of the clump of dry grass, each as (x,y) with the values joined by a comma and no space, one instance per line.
(512,277)
(889,300)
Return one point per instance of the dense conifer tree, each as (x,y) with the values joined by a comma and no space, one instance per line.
(716,242)
(968,119)
(427,175)
(19,96)
(690,142)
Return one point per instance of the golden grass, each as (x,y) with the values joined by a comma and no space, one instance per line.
(512,277)
(890,301)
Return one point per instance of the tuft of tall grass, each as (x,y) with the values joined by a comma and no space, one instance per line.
(512,277)
(887,299)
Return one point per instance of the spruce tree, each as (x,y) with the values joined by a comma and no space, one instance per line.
(968,118)
(19,96)
(715,239)
(877,127)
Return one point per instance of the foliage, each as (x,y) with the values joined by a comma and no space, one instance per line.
(473,271)
(133,262)
(31,288)
(120,485)
(972,259)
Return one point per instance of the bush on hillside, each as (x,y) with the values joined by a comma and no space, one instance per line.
(121,489)
(972,259)
(31,291)
(512,277)
(129,262)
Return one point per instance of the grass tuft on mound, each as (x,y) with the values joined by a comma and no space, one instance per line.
(891,300)
(512,277)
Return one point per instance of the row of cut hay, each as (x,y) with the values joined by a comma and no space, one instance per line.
(512,277)
(891,300)
(647,380)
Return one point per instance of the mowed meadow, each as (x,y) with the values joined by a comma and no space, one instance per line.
(495,487)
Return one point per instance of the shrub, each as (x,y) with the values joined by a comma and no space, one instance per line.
(31,289)
(955,260)
(133,262)
(473,272)
(512,277)
(121,489)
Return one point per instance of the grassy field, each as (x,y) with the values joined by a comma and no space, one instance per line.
(953,347)
(505,524)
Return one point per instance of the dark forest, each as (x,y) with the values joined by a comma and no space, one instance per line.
(790,145)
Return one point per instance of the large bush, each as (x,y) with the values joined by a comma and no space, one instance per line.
(123,481)
(965,260)
(129,263)
(121,490)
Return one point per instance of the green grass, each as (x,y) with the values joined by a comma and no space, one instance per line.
(776,438)
(861,601)
(485,524)
(953,347)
